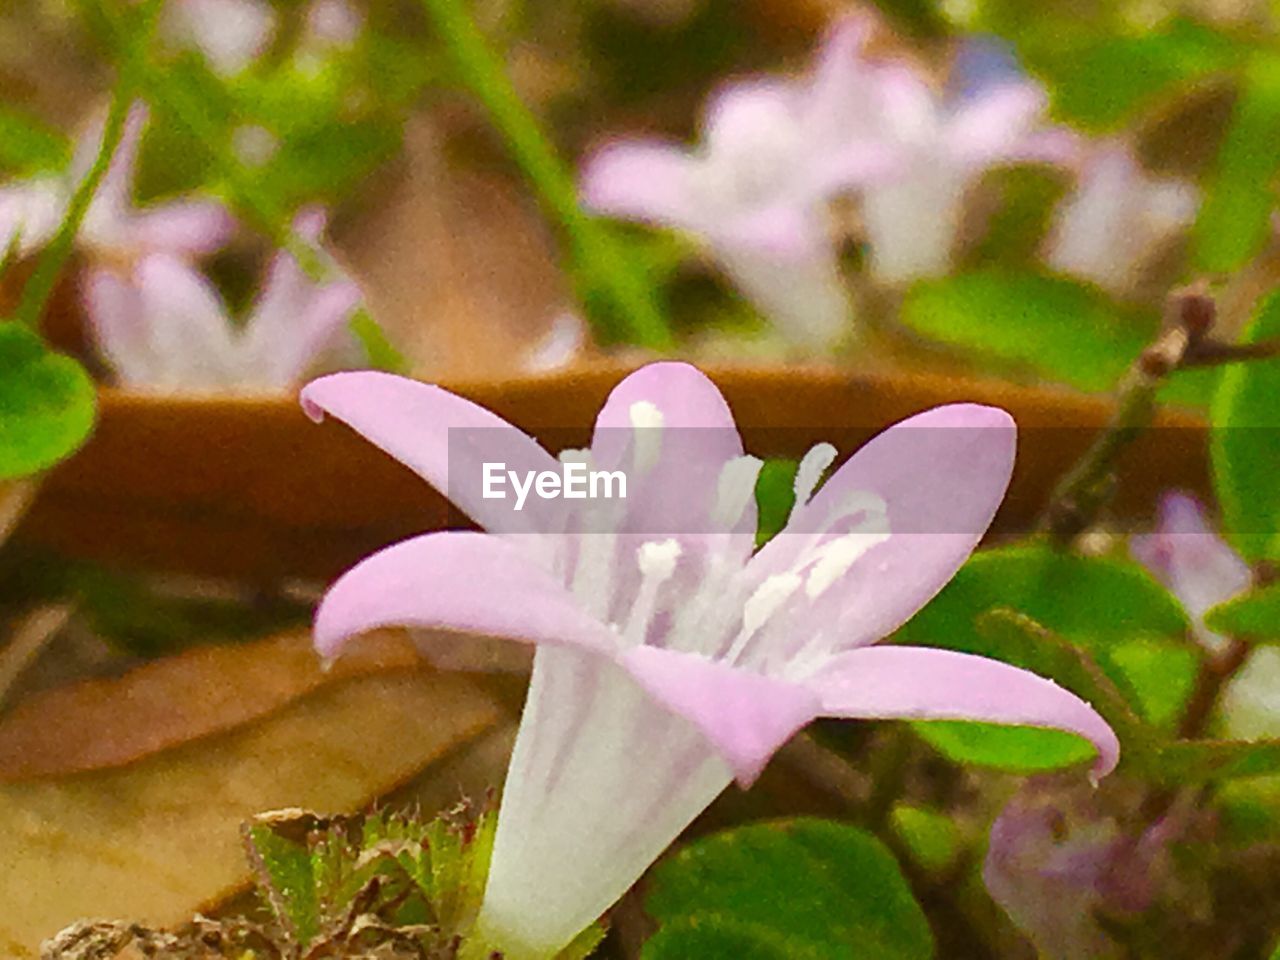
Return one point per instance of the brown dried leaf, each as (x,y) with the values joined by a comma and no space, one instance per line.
(158,840)
(110,722)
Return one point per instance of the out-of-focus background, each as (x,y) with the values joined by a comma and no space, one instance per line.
(991,200)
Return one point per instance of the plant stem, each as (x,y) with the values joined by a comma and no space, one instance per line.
(35,295)
(247,199)
(1087,488)
(594,250)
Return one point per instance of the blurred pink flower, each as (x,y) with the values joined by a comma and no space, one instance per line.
(671,657)
(332,23)
(112,229)
(230,33)
(165,328)
(1197,566)
(941,148)
(1107,230)
(1057,859)
(774,153)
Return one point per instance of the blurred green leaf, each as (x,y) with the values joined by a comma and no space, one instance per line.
(1104,82)
(799,888)
(135,616)
(635,58)
(717,939)
(929,835)
(173,159)
(1198,761)
(1028,198)
(27,145)
(1107,612)
(47,403)
(1255,615)
(1245,444)
(1054,326)
(1235,220)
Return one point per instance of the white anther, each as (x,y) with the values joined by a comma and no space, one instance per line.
(647,422)
(734,490)
(574,455)
(763,603)
(657,562)
(835,559)
(812,466)
(657,558)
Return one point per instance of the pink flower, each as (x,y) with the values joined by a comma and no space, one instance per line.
(1196,565)
(112,229)
(1108,229)
(942,148)
(671,657)
(1057,858)
(165,328)
(774,153)
(230,33)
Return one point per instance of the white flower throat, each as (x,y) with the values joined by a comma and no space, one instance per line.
(693,593)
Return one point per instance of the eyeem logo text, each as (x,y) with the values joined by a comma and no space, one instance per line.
(573,482)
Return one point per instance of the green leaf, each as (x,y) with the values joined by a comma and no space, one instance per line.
(286,879)
(47,403)
(799,888)
(775,495)
(1245,444)
(1235,220)
(1053,326)
(718,939)
(1016,749)
(1105,82)
(1102,628)
(1198,761)
(27,145)
(930,835)
(1255,615)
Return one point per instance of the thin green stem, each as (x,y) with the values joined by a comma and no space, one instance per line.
(1089,485)
(36,293)
(249,202)
(595,251)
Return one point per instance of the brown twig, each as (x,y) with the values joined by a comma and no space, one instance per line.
(1085,490)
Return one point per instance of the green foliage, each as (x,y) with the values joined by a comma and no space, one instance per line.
(142,620)
(329,123)
(929,835)
(47,403)
(27,145)
(380,352)
(775,496)
(1123,647)
(1198,761)
(714,939)
(1028,196)
(1050,325)
(403,880)
(1108,79)
(799,889)
(1235,221)
(1245,444)
(1255,615)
